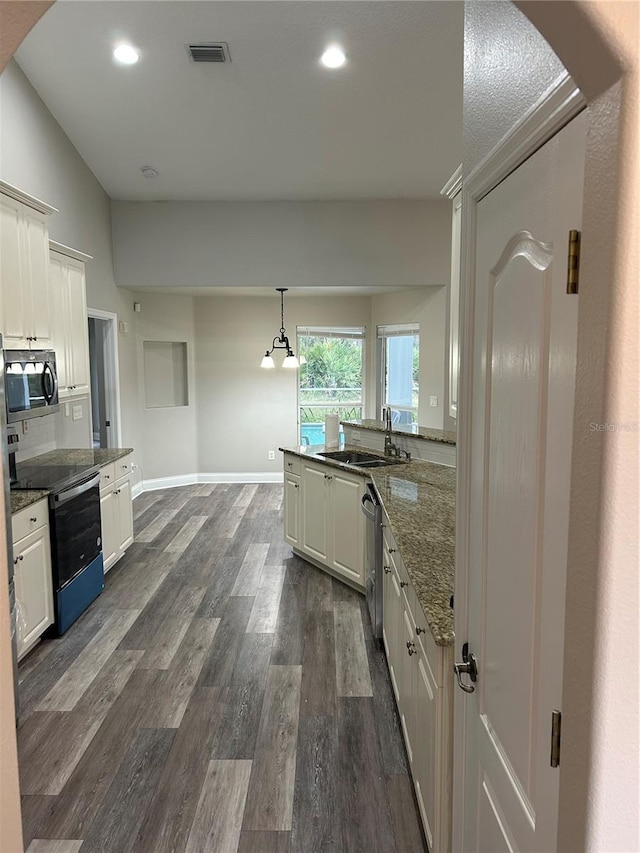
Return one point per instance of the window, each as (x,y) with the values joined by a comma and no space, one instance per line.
(398,351)
(329,379)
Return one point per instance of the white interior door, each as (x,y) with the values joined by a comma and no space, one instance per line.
(524,356)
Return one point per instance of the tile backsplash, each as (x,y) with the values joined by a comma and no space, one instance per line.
(69,427)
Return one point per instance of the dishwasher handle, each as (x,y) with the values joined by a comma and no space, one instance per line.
(366,498)
(69,494)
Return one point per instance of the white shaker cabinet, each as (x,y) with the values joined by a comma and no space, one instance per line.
(116,510)
(25,299)
(323,517)
(421,674)
(70,325)
(32,573)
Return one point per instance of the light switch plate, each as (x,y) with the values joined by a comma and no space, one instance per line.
(433,402)
(77,413)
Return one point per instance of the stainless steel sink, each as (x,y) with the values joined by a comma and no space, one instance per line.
(359,459)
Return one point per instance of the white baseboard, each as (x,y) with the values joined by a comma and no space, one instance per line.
(243,477)
(169,482)
(193,479)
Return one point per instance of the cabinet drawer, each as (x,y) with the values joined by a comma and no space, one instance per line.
(107,476)
(122,467)
(29,519)
(292,464)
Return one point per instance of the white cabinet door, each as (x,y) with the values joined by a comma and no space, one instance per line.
(33,587)
(59,314)
(109,517)
(12,275)
(292,500)
(347,525)
(77,328)
(391,615)
(70,327)
(425,737)
(24,288)
(124,512)
(406,653)
(36,242)
(314,502)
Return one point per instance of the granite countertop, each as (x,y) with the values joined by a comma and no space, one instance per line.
(98,458)
(412,430)
(91,457)
(419,499)
(25,497)
(420,502)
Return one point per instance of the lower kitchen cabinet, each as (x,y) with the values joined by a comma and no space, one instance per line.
(323,516)
(292,501)
(116,510)
(32,572)
(423,685)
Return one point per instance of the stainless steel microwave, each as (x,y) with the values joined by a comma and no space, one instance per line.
(30,383)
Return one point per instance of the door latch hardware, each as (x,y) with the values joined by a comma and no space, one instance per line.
(469,666)
(556,732)
(411,648)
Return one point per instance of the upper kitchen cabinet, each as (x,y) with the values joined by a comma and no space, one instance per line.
(453,190)
(70,329)
(25,297)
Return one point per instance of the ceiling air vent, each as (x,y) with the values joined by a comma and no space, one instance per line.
(209,52)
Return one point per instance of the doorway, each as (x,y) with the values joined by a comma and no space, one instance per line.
(104,379)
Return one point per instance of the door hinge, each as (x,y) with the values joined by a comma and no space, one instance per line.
(556,732)
(573,263)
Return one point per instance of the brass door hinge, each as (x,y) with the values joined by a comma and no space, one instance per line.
(573,264)
(556,732)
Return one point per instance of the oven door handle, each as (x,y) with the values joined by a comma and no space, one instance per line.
(366,498)
(68,494)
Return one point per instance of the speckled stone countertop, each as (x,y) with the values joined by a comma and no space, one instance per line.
(98,458)
(80,456)
(24,498)
(412,430)
(419,499)
(420,502)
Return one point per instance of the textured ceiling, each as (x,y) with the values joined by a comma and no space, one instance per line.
(272,124)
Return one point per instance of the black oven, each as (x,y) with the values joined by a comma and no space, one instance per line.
(30,383)
(76,548)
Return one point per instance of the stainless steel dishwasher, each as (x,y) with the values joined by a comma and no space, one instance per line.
(372,509)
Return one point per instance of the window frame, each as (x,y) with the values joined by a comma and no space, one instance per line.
(340,333)
(384,331)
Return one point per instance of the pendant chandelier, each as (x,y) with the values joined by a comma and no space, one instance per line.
(280,341)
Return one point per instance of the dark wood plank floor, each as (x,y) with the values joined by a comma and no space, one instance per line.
(205,702)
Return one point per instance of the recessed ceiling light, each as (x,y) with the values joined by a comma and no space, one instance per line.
(126,54)
(333,57)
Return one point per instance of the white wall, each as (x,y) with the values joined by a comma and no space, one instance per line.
(169,440)
(281,244)
(427,307)
(507,66)
(243,410)
(37,157)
